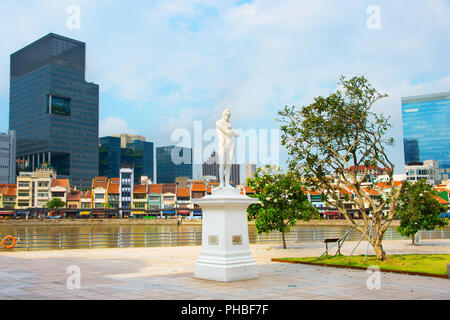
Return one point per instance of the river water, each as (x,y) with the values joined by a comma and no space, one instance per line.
(113,236)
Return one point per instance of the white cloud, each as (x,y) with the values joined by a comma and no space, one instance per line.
(174,62)
(114,125)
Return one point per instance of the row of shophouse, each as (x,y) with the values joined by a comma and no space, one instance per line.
(34,190)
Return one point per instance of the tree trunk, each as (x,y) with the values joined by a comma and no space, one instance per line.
(413,238)
(284,240)
(379,251)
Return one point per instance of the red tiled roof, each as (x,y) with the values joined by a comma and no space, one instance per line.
(87,194)
(199,187)
(183,192)
(113,188)
(371,191)
(10,190)
(74,196)
(63,183)
(441,201)
(385,185)
(169,189)
(114,180)
(140,188)
(2,188)
(154,188)
(100,182)
(362,168)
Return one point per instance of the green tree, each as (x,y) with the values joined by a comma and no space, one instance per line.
(281,201)
(418,209)
(327,139)
(55,203)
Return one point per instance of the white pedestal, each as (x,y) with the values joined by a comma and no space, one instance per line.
(225,255)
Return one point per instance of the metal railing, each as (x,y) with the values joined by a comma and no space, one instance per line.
(61,241)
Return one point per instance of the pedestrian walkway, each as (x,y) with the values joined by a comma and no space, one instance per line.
(168,273)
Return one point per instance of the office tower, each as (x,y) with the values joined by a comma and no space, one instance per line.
(53,110)
(172,162)
(140,154)
(426,134)
(126,138)
(109,157)
(250,170)
(8,157)
(211,168)
(137,152)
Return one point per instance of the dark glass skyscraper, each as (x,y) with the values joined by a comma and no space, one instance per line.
(109,157)
(426,133)
(53,110)
(211,168)
(138,153)
(172,162)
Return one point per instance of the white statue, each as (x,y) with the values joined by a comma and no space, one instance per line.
(225,148)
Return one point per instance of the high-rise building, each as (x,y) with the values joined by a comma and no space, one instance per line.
(109,157)
(173,162)
(53,110)
(426,133)
(8,157)
(126,138)
(211,168)
(137,152)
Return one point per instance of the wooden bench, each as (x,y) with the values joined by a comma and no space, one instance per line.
(326,241)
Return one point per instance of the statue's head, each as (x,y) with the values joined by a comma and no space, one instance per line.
(226,114)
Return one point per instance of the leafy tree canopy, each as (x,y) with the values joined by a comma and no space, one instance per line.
(329,139)
(419,209)
(282,201)
(55,203)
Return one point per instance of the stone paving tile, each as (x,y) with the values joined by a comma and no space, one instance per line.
(167,273)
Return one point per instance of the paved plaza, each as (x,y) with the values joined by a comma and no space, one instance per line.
(168,273)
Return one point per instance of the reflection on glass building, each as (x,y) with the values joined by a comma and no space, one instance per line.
(173,162)
(53,110)
(426,132)
(136,152)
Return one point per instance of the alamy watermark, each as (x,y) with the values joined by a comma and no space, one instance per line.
(74,280)
(374,279)
(252,145)
(74,18)
(374,20)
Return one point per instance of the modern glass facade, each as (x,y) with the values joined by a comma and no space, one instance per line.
(53,110)
(138,153)
(426,133)
(109,157)
(172,162)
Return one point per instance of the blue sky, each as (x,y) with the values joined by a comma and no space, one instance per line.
(163,64)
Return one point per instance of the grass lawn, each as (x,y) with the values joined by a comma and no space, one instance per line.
(425,263)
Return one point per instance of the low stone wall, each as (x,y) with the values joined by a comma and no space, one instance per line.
(83,222)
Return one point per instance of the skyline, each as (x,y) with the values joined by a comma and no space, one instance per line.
(161,66)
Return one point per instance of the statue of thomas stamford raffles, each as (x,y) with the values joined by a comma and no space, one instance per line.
(225,148)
